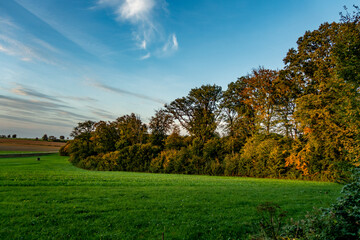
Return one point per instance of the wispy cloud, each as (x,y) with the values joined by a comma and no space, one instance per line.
(82,40)
(102,113)
(140,13)
(171,45)
(13,47)
(26,91)
(33,50)
(30,120)
(145,56)
(82,99)
(5,22)
(125,92)
(137,12)
(40,112)
(21,103)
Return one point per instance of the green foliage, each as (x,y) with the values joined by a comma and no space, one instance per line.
(130,131)
(137,157)
(199,111)
(266,154)
(173,161)
(160,125)
(340,221)
(271,220)
(64,150)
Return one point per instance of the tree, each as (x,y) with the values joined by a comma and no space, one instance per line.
(105,137)
(328,108)
(45,137)
(83,130)
(14,136)
(199,111)
(130,130)
(251,101)
(160,125)
(62,137)
(239,116)
(82,135)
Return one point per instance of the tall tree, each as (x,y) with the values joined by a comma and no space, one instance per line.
(83,130)
(105,137)
(251,101)
(328,108)
(198,112)
(160,125)
(131,130)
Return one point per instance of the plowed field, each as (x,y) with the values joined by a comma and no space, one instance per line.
(25,145)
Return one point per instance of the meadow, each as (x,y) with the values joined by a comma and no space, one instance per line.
(52,199)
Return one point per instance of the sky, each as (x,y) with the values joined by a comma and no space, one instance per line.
(67,61)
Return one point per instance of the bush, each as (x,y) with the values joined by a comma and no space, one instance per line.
(341,221)
(137,157)
(173,161)
(231,163)
(65,150)
(266,154)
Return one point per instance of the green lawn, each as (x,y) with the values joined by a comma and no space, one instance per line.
(51,199)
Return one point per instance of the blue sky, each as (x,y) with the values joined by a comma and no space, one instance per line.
(67,61)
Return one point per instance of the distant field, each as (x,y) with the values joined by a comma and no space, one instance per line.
(28,145)
(51,199)
(15,152)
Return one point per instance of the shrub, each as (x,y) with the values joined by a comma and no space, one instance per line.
(108,161)
(266,154)
(137,157)
(231,164)
(65,150)
(338,222)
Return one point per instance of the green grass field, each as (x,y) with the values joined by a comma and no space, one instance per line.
(51,199)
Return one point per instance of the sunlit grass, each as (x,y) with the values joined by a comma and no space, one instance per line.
(52,199)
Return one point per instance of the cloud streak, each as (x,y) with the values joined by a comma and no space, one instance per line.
(39,109)
(10,43)
(25,91)
(125,92)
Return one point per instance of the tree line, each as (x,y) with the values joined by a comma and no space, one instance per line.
(302,121)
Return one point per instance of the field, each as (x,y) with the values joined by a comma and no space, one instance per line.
(51,199)
(28,145)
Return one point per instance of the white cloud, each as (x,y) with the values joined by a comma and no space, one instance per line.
(141,14)
(131,10)
(15,48)
(143,44)
(145,56)
(135,10)
(171,45)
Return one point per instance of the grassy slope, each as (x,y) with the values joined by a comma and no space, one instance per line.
(50,199)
